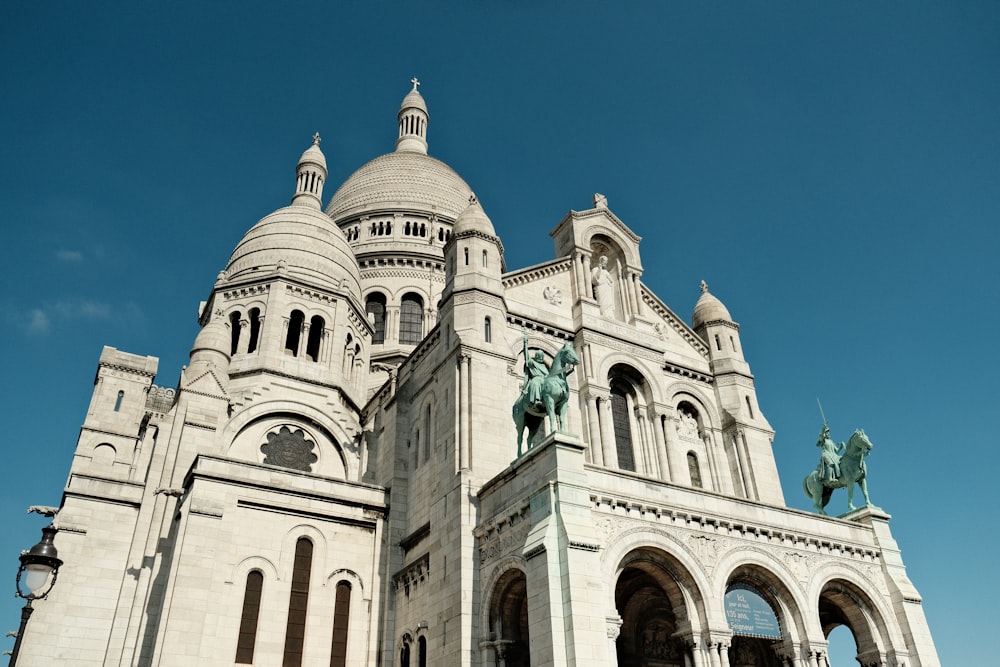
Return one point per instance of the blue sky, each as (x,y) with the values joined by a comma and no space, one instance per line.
(832,170)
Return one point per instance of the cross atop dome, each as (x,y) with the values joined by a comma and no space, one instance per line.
(317,139)
(416,84)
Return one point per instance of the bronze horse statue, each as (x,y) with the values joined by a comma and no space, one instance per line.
(554,399)
(852,470)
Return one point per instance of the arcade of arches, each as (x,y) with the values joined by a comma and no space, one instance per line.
(659,604)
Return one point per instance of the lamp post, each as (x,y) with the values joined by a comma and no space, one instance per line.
(38,572)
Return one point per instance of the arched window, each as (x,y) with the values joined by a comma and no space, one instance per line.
(693,470)
(422,652)
(234,332)
(487,331)
(411,315)
(294,333)
(298,603)
(749,407)
(375,307)
(248,622)
(118,401)
(485,259)
(622,426)
(404,655)
(316,326)
(466,256)
(254,329)
(341,622)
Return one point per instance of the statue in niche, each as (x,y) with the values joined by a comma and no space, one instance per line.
(604,287)
(687,425)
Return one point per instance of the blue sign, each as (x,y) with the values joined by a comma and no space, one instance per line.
(749,614)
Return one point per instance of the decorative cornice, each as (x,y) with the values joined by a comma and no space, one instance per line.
(537,272)
(687,372)
(413,574)
(534,325)
(310,294)
(246,291)
(718,526)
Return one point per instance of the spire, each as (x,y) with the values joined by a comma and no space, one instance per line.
(309,176)
(413,121)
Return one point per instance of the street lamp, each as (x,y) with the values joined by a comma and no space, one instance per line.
(38,572)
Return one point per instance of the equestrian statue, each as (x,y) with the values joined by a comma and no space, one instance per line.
(545,393)
(839,466)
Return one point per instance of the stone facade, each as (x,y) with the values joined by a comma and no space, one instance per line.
(335,478)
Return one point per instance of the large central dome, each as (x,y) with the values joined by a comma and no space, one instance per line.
(403,179)
(407,180)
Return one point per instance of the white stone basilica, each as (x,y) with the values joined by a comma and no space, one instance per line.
(335,480)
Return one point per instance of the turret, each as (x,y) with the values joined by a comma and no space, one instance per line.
(310,174)
(712,321)
(413,122)
(474,262)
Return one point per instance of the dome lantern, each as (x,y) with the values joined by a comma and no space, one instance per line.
(309,176)
(413,119)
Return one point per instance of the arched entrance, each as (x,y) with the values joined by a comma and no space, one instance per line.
(842,605)
(650,603)
(751,617)
(509,620)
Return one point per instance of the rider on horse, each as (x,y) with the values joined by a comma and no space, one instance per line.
(829,458)
(535,371)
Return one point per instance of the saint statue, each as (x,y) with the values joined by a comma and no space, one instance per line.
(604,286)
(535,372)
(829,457)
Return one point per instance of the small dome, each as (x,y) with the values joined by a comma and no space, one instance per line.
(299,242)
(708,309)
(473,220)
(401,180)
(213,341)
(413,100)
(313,154)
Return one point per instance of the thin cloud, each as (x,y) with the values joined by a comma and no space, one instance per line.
(43,320)
(69,255)
(38,322)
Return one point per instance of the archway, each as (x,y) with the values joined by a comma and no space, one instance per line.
(752,618)
(509,619)
(651,605)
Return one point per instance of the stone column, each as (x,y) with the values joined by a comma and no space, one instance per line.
(632,296)
(661,446)
(637,289)
(392,324)
(676,452)
(596,453)
(303,339)
(614,629)
(723,653)
(587,291)
(580,283)
(243,342)
(463,411)
(607,433)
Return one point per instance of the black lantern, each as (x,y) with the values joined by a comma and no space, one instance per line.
(37,575)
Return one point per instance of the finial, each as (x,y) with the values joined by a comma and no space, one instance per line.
(415,84)
(316,139)
(600,201)
(704,287)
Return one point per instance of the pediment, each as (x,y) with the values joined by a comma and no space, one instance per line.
(206,383)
